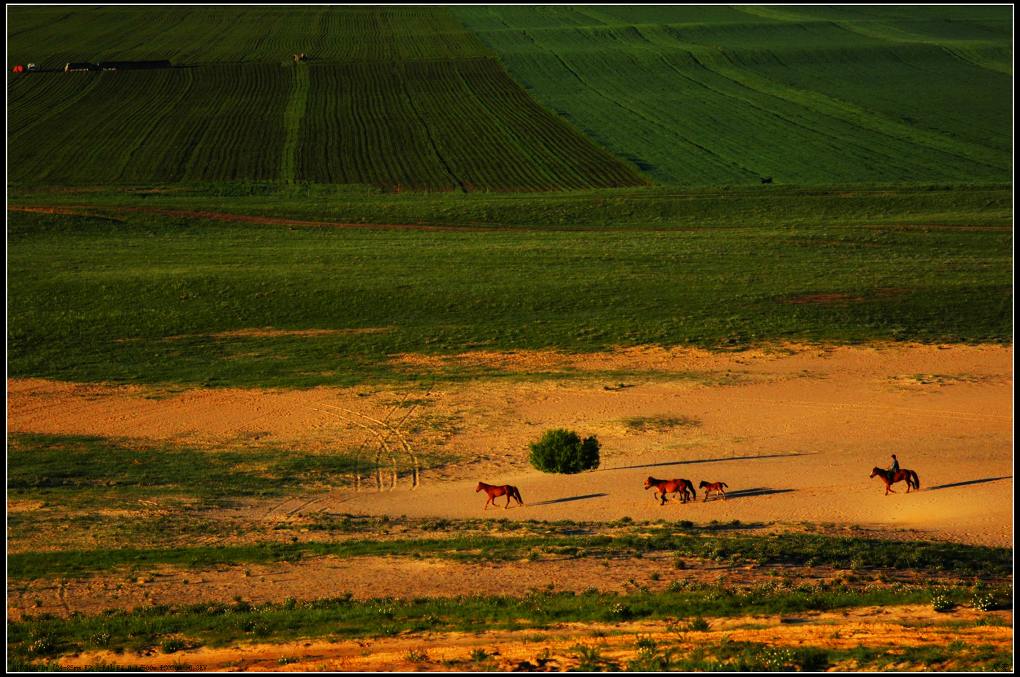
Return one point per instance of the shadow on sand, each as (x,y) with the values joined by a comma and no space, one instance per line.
(568,499)
(710,460)
(747,493)
(968,482)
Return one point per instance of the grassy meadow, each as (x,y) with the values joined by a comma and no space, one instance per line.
(146,298)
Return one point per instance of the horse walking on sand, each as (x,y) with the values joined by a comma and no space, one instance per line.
(891,477)
(495,491)
(716,487)
(677,486)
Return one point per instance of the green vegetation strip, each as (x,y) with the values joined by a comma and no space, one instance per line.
(92,472)
(787,549)
(145,299)
(737,656)
(292,117)
(344,617)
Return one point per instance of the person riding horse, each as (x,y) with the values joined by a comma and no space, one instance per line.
(894,474)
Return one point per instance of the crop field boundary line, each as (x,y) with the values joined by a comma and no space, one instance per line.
(293,115)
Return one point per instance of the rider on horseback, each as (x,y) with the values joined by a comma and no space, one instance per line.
(895,464)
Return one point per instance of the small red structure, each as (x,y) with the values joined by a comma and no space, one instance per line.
(18,69)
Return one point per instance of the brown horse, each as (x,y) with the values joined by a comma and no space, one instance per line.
(891,477)
(495,492)
(662,487)
(714,486)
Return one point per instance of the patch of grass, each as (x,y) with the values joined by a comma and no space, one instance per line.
(590,659)
(419,655)
(942,602)
(754,657)
(699,624)
(660,423)
(81,471)
(956,655)
(993,598)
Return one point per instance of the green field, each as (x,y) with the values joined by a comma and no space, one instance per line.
(140,297)
(417,98)
(718,95)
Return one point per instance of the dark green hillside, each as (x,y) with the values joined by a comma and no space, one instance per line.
(717,95)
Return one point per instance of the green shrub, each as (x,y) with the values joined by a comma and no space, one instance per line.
(942,602)
(563,451)
(699,624)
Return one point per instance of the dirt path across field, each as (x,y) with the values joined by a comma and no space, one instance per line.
(90,210)
(105,211)
(793,431)
(893,628)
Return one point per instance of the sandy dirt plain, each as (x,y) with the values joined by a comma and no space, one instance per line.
(793,430)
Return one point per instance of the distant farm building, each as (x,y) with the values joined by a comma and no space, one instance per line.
(75,67)
(133,65)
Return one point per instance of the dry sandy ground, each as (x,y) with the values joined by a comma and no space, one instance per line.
(553,649)
(793,431)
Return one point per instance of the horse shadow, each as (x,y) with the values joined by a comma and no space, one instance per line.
(712,460)
(568,499)
(757,491)
(969,482)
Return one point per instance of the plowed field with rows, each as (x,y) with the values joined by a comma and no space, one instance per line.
(391,98)
(394,125)
(212,123)
(52,36)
